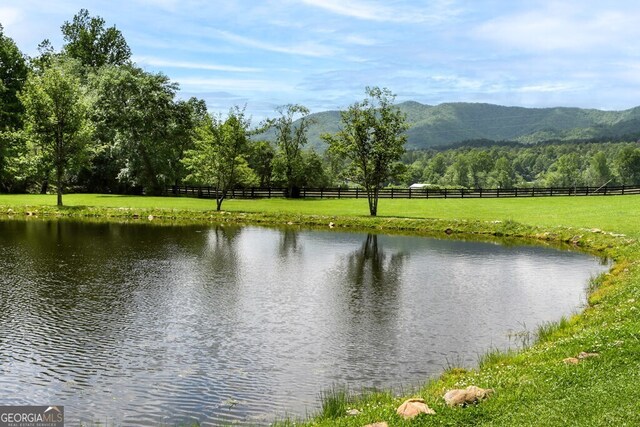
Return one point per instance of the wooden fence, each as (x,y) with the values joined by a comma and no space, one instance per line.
(404,193)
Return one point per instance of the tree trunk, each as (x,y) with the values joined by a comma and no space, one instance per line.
(372,196)
(59,184)
(45,186)
(156,188)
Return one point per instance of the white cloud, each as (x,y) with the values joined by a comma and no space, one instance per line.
(562,27)
(359,40)
(548,87)
(237,85)
(436,11)
(305,48)
(158,62)
(9,15)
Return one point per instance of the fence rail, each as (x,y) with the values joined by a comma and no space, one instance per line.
(403,193)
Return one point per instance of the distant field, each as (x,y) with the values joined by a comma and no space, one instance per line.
(615,213)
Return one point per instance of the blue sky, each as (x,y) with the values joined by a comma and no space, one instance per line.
(322,53)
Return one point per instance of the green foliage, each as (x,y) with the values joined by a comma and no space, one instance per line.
(335,403)
(564,172)
(56,118)
(260,160)
(372,139)
(218,155)
(503,175)
(87,40)
(628,165)
(17,166)
(13,73)
(452,123)
(599,172)
(141,126)
(290,136)
(508,166)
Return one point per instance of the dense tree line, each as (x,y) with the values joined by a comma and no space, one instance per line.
(517,165)
(86,118)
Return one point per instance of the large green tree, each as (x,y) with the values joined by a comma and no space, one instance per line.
(87,40)
(291,135)
(628,165)
(372,138)
(599,173)
(261,155)
(141,125)
(218,155)
(13,74)
(56,117)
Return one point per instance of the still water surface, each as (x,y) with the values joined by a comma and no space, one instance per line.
(147,325)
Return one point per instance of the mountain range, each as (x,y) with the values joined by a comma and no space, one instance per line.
(451,123)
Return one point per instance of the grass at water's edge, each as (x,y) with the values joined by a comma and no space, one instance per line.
(533,386)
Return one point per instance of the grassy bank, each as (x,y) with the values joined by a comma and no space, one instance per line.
(533,386)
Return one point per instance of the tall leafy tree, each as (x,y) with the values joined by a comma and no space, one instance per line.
(565,172)
(56,117)
(260,159)
(628,165)
(218,155)
(291,135)
(504,174)
(135,115)
(435,170)
(599,173)
(187,116)
(372,138)
(87,40)
(13,74)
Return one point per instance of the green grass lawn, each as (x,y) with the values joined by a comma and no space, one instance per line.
(533,387)
(619,214)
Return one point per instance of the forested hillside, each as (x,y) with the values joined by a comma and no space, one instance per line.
(450,123)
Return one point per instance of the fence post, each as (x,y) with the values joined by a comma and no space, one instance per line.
(321,191)
(338,192)
(392,193)
(498,193)
(623,189)
(356,192)
(409,192)
(481,192)
(516,191)
(462,193)
(445,193)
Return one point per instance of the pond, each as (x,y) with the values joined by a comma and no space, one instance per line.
(136,324)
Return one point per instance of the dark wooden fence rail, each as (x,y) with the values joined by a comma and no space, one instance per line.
(404,193)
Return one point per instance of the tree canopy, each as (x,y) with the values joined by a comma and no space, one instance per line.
(372,138)
(56,117)
(87,40)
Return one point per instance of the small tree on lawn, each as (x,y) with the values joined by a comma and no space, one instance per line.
(372,139)
(218,154)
